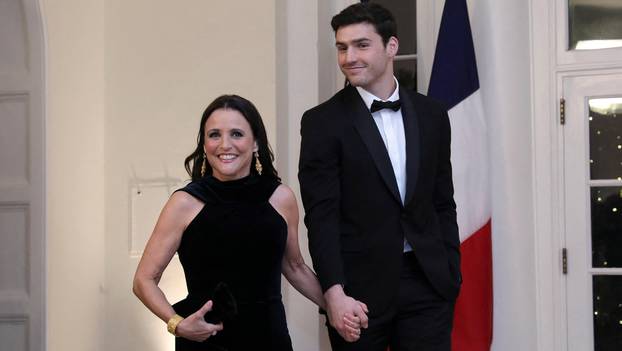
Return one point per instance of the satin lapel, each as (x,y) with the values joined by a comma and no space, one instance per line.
(413,143)
(366,127)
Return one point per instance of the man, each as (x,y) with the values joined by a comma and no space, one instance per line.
(376,184)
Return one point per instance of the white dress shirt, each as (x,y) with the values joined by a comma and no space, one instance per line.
(391,127)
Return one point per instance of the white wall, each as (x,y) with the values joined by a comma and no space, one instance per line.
(502,44)
(75,173)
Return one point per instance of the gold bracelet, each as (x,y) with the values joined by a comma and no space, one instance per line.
(172,323)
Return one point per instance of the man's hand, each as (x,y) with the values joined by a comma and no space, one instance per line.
(195,327)
(345,314)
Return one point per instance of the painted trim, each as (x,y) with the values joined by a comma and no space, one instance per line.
(550,64)
(548,190)
(37,42)
(296,91)
(428,23)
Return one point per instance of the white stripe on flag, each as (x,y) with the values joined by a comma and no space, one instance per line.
(469,159)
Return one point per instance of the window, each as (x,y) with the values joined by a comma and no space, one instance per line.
(594,24)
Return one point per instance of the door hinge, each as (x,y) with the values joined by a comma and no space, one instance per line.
(564,261)
(562,111)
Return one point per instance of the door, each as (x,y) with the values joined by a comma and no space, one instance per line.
(22,273)
(592,153)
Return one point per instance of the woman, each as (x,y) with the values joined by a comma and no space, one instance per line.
(235,229)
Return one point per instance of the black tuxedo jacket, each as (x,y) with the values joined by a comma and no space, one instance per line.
(355,218)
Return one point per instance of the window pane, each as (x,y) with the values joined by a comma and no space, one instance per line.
(405,12)
(606,205)
(605,138)
(595,24)
(406,73)
(607,291)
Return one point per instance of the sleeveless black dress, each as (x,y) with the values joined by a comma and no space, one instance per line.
(237,240)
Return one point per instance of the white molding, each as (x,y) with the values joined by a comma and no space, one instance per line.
(605,271)
(550,64)
(575,147)
(37,37)
(585,68)
(605,182)
(579,87)
(428,22)
(547,191)
(297,91)
(591,70)
(405,57)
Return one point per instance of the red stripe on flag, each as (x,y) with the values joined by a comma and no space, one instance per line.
(472,329)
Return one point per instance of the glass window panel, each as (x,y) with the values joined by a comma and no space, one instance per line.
(594,24)
(607,290)
(606,208)
(405,12)
(406,73)
(605,118)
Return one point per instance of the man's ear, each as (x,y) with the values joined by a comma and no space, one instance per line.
(392,46)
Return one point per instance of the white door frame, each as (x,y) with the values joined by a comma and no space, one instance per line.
(549,62)
(577,87)
(547,169)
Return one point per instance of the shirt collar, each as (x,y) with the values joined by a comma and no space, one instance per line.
(369,98)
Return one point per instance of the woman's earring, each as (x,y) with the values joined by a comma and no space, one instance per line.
(258,166)
(204,165)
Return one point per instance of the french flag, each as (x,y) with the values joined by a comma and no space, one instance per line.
(455,82)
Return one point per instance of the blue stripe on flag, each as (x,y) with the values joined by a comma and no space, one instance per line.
(454,73)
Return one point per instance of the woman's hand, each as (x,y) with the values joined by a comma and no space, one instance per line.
(195,328)
(353,324)
(352,327)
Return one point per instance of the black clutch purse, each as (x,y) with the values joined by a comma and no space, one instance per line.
(224,306)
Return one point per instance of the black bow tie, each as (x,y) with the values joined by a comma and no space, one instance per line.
(379,105)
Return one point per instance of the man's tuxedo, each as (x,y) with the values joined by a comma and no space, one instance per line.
(354,215)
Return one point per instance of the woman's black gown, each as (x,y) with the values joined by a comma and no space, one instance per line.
(238,239)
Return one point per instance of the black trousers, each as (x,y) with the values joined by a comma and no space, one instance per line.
(420,320)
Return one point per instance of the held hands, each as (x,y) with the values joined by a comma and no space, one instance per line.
(195,328)
(345,314)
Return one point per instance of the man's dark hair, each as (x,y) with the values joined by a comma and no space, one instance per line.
(374,14)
